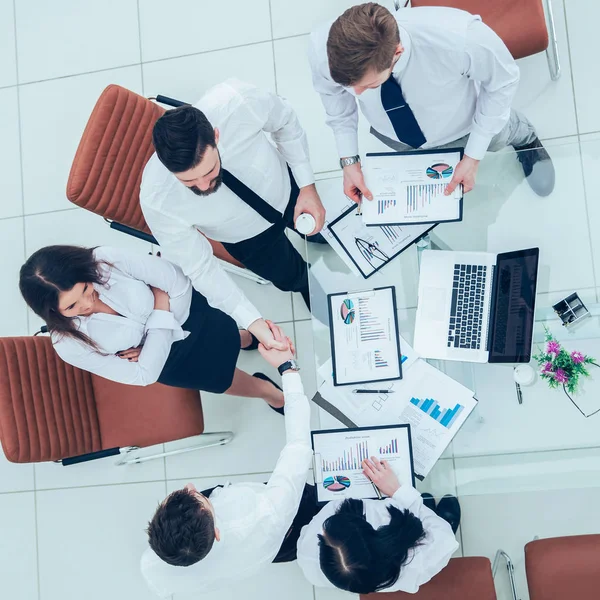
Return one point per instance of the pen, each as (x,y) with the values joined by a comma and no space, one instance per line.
(379,496)
(519,393)
(372,391)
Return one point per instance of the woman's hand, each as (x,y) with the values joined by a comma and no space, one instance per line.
(131,354)
(381,474)
(274,356)
(161,299)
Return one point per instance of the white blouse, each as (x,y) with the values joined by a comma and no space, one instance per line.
(127,292)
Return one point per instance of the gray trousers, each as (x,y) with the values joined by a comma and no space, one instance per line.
(517,132)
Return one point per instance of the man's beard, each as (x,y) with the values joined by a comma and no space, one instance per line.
(215,184)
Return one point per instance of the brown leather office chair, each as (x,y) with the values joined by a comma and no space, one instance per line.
(107,169)
(564,568)
(463,579)
(51,411)
(519,23)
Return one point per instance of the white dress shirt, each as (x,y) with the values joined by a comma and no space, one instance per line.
(456,75)
(252,518)
(126,291)
(244,115)
(425,561)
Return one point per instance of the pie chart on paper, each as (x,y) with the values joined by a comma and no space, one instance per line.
(439,171)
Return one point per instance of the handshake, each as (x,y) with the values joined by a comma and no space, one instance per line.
(275,347)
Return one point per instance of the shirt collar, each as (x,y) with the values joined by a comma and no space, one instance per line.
(404,58)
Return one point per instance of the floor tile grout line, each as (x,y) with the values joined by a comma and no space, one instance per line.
(273,49)
(140,45)
(21,166)
(570,66)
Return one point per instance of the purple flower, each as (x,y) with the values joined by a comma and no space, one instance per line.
(547,369)
(561,376)
(577,357)
(552,347)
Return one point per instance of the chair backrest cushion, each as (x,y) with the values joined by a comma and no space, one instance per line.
(116,145)
(463,579)
(564,567)
(143,416)
(520,24)
(47,408)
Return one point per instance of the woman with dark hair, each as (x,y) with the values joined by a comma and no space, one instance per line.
(365,546)
(135,319)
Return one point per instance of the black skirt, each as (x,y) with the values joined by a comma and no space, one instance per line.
(205,360)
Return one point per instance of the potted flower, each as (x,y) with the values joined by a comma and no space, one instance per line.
(561,368)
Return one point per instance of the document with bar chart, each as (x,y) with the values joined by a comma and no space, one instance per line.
(339,454)
(365,345)
(408,188)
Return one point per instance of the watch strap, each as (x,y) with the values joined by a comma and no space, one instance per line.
(287,365)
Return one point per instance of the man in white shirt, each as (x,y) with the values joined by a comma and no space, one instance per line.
(203,541)
(395,544)
(216,171)
(429,77)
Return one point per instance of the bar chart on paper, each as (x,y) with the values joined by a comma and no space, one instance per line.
(391,448)
(384,205)
(420,196)
(349,458)
(445,417)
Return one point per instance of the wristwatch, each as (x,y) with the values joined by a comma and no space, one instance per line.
(288,365)
(350,160)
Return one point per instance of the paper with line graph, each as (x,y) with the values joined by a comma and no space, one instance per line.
(409,188)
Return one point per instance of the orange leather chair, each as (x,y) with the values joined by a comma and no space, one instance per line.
(463,579)
(51,411)
(519,23)
(107,169)
(564,568)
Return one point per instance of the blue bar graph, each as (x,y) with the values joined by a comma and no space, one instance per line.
(445,417)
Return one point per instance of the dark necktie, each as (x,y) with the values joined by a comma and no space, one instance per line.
(403,121)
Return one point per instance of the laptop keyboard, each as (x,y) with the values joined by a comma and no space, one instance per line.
(466,311)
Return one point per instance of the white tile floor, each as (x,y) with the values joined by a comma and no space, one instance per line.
(68,532)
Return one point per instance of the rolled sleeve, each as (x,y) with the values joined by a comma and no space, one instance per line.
(163,319)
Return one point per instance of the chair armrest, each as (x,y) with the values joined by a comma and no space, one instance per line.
(74,460)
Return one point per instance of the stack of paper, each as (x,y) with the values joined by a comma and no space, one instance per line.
(434,405)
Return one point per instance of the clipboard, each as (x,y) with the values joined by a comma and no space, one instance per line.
(377,262)
(441,175)
(338,454)
(365,336)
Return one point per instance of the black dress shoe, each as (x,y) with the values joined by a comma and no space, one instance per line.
(265,378)
(537,166)
(428,501)
(253,344)
(448,508)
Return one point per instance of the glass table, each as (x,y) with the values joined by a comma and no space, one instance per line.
(543,443)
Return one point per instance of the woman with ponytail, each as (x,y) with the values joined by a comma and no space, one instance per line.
(365,546)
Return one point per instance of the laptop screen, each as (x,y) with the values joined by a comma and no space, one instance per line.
(513,303)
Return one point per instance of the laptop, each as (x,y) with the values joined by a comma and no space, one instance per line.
(476,306)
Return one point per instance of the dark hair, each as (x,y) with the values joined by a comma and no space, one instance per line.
(56,269)
(364,37)
(182,531)
(181,137)
(358,558)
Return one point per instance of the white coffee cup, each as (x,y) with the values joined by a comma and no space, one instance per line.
(305,223)
(524,374)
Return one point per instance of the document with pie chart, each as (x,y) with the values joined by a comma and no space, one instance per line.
(365,345)
(409,188)
(339,453)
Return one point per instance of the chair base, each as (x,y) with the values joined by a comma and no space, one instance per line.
(552,50)
(501,555)
(216,438)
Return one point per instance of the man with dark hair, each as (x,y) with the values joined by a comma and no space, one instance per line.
(216,172)
(430,77)
(201,541)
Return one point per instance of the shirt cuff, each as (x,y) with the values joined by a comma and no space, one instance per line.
(347,144)
(406,495)
(292,384)
(245,314)
(303,174)
(164,319)
(477,145)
